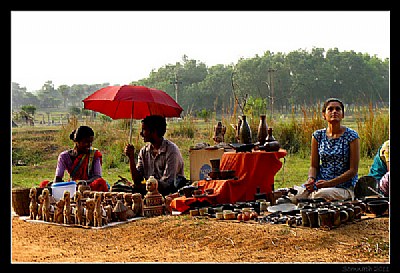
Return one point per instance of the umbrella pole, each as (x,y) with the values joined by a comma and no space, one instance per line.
(130,132)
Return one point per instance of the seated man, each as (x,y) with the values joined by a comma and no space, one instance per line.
(160,158)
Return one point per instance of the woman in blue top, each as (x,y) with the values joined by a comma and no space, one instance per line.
(335,155)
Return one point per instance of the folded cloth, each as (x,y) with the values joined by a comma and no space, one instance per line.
(44,183)
(99,185)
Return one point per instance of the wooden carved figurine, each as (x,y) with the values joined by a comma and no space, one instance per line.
(128,199)
(120,211)
(33,205)
(219,132)
(46,205)
(40,207)
(137,205)
(153,202)
(67,207)
(128,204)
(78,208)
(90,204)
(59,212)
(108,218)
(97,210)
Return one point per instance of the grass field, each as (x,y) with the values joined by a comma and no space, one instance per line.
(39,146)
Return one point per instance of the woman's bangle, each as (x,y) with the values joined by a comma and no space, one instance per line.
(312,178)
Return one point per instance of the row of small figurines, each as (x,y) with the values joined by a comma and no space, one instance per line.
(87,208)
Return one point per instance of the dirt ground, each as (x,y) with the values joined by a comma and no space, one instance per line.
(186,239)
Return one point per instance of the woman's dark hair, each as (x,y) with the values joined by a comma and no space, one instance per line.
(156,124)
(331,100)
(81,133)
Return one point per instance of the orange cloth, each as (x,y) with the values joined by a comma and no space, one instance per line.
(255,169)
(183,203)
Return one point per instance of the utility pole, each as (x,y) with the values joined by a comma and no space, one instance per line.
(271,84)
(176,84)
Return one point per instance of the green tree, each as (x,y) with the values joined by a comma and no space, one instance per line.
(30,109)
(64,91)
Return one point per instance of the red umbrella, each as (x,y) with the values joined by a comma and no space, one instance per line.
(132,101)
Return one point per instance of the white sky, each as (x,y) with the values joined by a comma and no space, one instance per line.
(89,47)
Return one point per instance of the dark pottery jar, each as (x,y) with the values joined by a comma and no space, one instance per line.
(262,130)
(245,136)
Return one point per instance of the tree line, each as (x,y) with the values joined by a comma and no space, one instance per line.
(273,81)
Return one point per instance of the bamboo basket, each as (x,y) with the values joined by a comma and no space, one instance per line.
(20,201)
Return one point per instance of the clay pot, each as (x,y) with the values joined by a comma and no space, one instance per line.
(262,130)
(325,219)
(378,207)
(245,136)
(227,174)
(344,216)
(313,218)
(215,162)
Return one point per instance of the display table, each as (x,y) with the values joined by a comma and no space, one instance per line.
(253,170)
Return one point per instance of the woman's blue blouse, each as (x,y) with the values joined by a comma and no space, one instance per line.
(334,155)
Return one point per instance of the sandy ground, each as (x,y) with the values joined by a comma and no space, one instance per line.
(186,239)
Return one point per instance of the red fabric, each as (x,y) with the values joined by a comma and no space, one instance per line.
(44,183)
(99,185)
(255,169)
(82,171)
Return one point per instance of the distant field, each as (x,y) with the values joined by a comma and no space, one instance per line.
(39,146)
